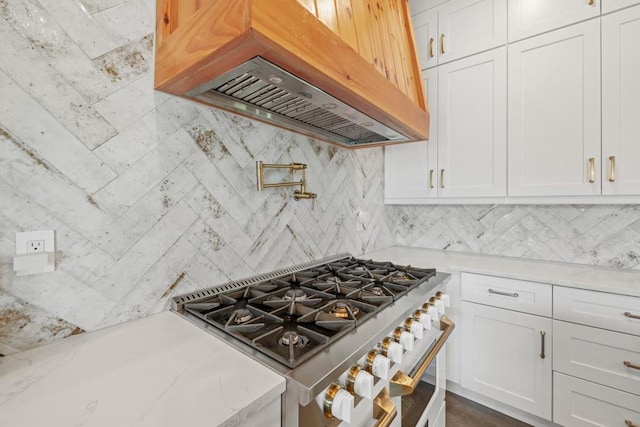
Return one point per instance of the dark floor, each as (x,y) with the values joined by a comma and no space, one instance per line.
(462,412)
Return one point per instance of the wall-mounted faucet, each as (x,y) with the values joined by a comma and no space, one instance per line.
(298,194)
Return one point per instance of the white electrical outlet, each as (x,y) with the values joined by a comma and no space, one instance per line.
(35,246)
(35,252)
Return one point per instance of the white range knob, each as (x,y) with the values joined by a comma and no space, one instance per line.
(363,384)
(338,403)
(440,306)
(423,318)
(417,329)
(445,298)
(394,352)
(381,366)
(406,339)
(433,312)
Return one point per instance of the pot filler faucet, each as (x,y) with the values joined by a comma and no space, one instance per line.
(302,193)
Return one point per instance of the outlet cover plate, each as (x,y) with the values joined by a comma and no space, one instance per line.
(46,236)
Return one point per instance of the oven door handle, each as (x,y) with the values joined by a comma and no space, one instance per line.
(384,410)
(402,384)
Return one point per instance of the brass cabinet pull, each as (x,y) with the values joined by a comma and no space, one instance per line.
(402,384)
(431,178)
(383,409)
(431,40)
(630,365)
(442,43)
(592,2)
(612,168)
(629,423)
(441,178)
(632,316)
(542,334)
(506,294)
(592,169)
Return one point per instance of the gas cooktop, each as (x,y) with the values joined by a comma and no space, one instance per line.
(292,314)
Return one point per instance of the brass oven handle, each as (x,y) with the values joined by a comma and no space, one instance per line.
(442,43)
(630,365)
(441,178)
(612,168)
(431,178)
(402,384)
(506,294)
(431,40)
(383,409)
(542,334)
(592,169)
(629,423)
(632,316)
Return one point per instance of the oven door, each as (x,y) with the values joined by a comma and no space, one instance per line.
(419,393)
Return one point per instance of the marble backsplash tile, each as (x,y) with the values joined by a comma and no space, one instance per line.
(150,195)
(602,235)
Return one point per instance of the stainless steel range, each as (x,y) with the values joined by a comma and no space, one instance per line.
(338,329)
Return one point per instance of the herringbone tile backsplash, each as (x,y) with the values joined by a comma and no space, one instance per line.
(602,235)
(152,196)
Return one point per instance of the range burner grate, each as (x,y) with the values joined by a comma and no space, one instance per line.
(294,313)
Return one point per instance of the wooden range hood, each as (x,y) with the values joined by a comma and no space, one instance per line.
(344,71)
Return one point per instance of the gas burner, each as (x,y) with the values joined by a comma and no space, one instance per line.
(377,290)
(294,294)
(401,275)
(242,316)
(341,310)
(292,338)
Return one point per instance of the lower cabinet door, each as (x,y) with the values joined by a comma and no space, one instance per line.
(582,403)
(507,356)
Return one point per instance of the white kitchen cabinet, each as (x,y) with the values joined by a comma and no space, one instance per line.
(469,26)
(554,113)
(410,169)
(621,102)
(531,17)
(458,28)
(507,356)
(579,403)
(613,5)
(425,31)
(472,126)
(597,355)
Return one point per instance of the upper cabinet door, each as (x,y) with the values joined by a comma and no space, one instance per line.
(472,126)
(554,113)
(410,169)
(425,29)
(612,5)
(470,26)
(621,102)
(530,17)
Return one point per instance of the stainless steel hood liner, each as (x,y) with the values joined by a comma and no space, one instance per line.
(260,89)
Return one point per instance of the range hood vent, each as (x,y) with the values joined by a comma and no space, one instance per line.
(289,63)
(264,91)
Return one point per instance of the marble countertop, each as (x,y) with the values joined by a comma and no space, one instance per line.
(157,371)
(626,282)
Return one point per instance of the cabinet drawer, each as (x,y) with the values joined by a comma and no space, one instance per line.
(597,355)
(512,294)
(581,403)
(602,310)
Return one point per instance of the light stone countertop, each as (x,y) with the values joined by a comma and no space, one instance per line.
(157,371)
(626,282)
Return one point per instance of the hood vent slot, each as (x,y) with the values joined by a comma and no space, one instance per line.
(263,90)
